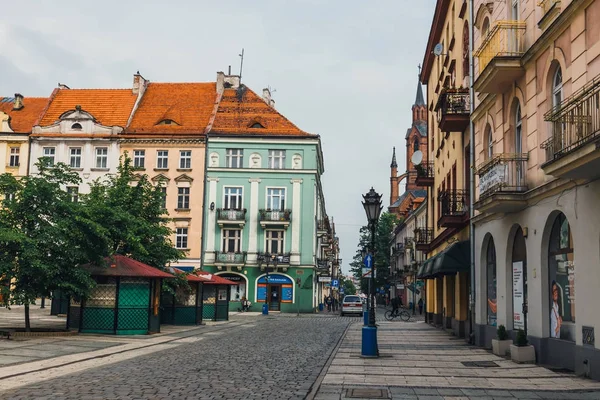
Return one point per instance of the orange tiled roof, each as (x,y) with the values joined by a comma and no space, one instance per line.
(109,106)
(189,105)
(237,116)
(24,119)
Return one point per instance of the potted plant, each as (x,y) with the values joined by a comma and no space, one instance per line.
(522,351)
(501,345)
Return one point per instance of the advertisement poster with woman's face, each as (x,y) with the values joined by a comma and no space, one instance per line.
(562,282)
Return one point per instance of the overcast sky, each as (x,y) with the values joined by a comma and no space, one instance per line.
(344,69)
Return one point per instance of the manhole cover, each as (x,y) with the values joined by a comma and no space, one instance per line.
(480,364)
(367,393)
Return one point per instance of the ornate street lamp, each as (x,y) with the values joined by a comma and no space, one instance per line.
(372,206)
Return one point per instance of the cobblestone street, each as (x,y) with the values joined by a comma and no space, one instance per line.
(277,357)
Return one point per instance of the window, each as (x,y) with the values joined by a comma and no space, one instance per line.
(491,283)
(50,152)
(163,191)
(234,158)
(181,238)
(231,240)
(185,159)
(561,276)
(75,157)
(515,10)
(139,158)
(101,157)
(162,159)
(256,125)
(275,199)
(76,126)
(490,142)
(485,28)
(274,243)
(518,131)
(73,192)
(557,89)
(465,55)
(233,198)
(276,159)
(416,144)
(183,198)
(9,196)
(14,157)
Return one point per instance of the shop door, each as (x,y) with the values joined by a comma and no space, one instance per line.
(274,297)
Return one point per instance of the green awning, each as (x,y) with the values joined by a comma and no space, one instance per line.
(456,258)
(426,269)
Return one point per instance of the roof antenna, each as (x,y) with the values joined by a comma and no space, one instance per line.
(241,64)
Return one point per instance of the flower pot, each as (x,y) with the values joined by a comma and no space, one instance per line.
(522,354)
(501,347)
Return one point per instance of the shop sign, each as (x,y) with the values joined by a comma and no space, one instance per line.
(324,279)
(400,286)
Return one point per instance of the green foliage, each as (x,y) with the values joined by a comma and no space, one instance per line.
(501,332)
(521,338)
(129,206)
(348,286)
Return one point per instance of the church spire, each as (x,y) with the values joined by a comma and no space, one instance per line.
(394,164)
(420,100)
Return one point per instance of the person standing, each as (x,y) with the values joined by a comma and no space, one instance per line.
(420,303)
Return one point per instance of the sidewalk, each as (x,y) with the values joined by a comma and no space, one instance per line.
(418,361)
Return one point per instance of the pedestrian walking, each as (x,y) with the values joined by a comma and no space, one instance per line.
(329,302)
(420,303)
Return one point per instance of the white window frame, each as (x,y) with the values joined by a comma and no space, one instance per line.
(73,192)
(269,240)
(269,197)
(228,196)
(518,130)
(515,11)
(490,144)
(139,158)
(231,234)
(162,159)
(185,159)
(234,154)
(15,155)
(183,198)
(49,152)
(101,159)
(557,89)
(277,159)
(75,158)
(181,238)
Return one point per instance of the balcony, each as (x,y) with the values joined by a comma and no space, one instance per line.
(572,149)
(275,218)
(453,109)
(502,182)
(454,208)
(322,227)
(273,260)
(323,266)
(423,237)
(230,258)
(424,174)
(231,217)
(499,57)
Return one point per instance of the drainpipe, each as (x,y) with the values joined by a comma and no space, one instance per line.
(472,177)
(205,195)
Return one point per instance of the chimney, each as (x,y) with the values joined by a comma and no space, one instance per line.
(18,101)
(139,83)
(227,81)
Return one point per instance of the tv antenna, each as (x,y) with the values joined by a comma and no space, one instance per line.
(241,63)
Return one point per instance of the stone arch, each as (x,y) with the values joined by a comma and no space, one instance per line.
(516,251)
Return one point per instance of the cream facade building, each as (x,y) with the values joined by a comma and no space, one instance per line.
(537,124)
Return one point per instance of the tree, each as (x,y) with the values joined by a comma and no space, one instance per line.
(45,237)
(348,286)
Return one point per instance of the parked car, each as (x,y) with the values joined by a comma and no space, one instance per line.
(351,305)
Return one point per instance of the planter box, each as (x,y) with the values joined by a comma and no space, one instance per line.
(501,347)
(522,354)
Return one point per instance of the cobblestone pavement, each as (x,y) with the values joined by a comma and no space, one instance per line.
(420,362)
(265,358)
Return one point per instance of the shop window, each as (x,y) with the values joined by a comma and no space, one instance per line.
(491,283)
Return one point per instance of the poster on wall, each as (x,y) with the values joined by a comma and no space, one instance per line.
(518,296)
(287,293)
(562,292)
(238,290)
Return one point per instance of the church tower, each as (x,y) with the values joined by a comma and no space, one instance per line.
(416,137)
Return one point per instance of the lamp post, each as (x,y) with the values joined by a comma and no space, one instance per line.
(266,258)
(372,206)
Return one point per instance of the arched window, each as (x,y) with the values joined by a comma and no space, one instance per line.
(518,130)
(489,144)
(557,88)
(416,144)
(515,10)
(76,126)
(485,28)
(491,283)
(561,275)
(465,50)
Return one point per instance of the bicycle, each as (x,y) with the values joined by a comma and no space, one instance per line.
(404,315)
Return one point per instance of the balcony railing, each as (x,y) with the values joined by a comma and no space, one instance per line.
(275,215)
(454,207)
(273,259)
(233,215)
(425,173)
(575,122)
(423,236)
(322,265)
(506,39)
(230,257)
(503,173)
(453,108)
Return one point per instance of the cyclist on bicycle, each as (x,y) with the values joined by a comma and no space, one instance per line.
(396,302)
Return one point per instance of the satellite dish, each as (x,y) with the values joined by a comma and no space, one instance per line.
(417,157)
(438,49)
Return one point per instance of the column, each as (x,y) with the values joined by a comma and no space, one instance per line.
(211,221)
(296,199)
(253,222)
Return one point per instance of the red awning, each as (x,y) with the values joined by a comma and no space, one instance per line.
(214,279)
(191,277)
(118,265)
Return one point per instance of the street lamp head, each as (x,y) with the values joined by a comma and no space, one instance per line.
(372,205)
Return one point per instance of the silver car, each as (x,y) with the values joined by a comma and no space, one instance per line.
(352,305)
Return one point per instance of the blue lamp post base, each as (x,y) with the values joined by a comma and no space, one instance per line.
(369,342)
(366,317)
(265,309)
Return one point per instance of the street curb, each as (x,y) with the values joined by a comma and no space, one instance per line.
(314,389)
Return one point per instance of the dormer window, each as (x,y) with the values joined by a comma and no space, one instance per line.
(167,122)
(76,126)
(257,125)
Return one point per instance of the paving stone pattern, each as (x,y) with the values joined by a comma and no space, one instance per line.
(274,358)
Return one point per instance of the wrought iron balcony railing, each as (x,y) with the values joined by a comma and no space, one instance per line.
(275,215)
(454,202)
(506,39)
(454,101)
(238,258)
(423,236)
(425,174)
(503,173)
(273,259)
(575,122)
(322,264)
(234,215)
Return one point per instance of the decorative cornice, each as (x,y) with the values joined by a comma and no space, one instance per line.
(212,179)
(184,178)
(161,141)
(257,180)
(296,180)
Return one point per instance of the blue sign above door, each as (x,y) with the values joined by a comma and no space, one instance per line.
(276,279)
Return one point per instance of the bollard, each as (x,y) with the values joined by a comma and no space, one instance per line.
(265,309)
